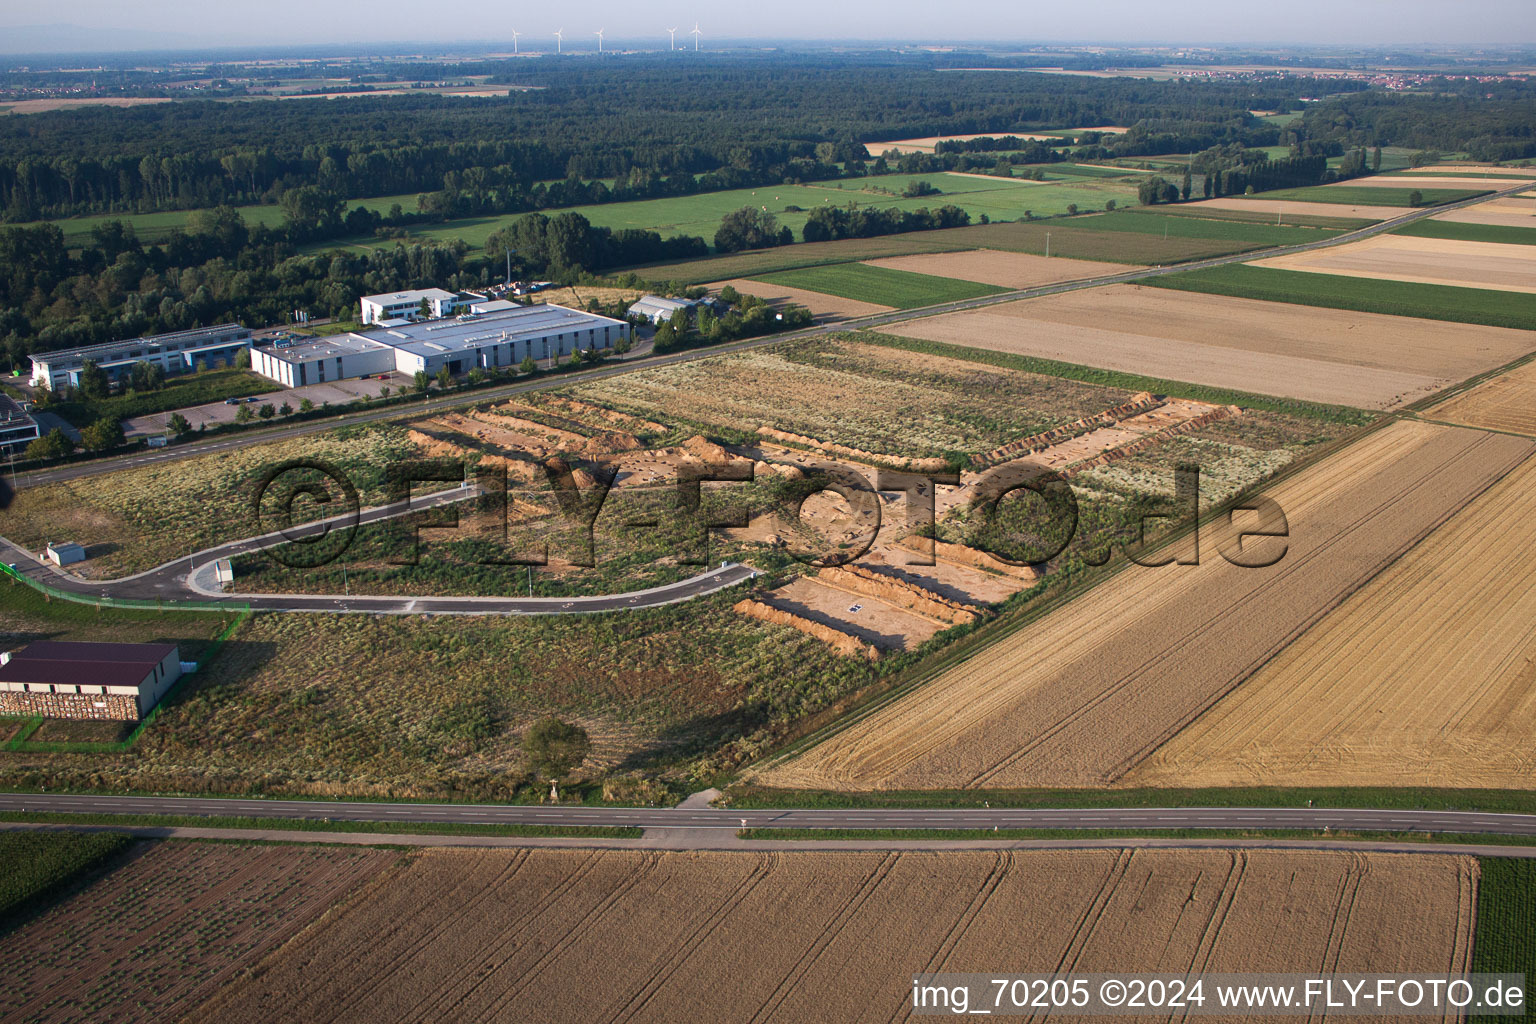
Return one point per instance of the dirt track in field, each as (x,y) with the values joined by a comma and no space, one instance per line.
(1083,695)
(826,308)
(1512,212)
(1004,269)
(1506,402)
(163,931)
(1492,265)
(621,936)
(1323,355)
(1426,677)
(1298,208)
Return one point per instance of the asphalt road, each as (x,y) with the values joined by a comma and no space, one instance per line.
(79,470)
(1301,818)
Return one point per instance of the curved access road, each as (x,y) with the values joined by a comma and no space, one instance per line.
(434,405)
(693,816)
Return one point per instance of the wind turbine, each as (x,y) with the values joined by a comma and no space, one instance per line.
(695,33)
(599,40)
(515,34)
(673,33)
(559,39)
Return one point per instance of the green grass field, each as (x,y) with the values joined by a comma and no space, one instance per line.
(899,288)
(1084,171)
(1505,940)
(1146,220)
(1369,195)
(37,865)
(1306,220)
(1501,233)
(997,198)
(1398,298)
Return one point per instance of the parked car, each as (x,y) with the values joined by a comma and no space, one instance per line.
(231,401)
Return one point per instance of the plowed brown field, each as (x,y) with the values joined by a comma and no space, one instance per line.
(1004,269)
(166,929)
(1321,355)
(1426,677)
(1492,265)
(564,935)
(1081,696)
(1506,402)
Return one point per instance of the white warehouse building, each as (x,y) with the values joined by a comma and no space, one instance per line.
(487,341)
(200,348)
(397,305)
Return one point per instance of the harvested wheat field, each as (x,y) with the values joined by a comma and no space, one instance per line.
(1004,269)
(1491,170)
(568,935)
(170,927)
(1506,402)
(1493,182)
(1512,212)
(1492,265)
(1426,677)
(1084,694)
(825,308)
(1337,356)
(1297,208)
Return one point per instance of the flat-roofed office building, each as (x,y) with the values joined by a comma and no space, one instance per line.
(181,352)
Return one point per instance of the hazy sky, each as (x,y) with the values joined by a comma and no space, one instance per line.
(1349,22)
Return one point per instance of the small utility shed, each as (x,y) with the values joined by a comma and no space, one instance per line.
(74,679)
(65,554)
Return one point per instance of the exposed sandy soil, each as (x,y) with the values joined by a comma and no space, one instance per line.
(826,308)
(578,297)
(46,105)
(575,935)
(1506,402)
(870,619)
(1297,207)
(1083,695)
(1426,677)
(170,927)
(1004,269)
(1322,355)
(1492,265)
(1513,211)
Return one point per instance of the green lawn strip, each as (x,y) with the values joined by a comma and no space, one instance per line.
(963,834)
(178,393)
(901,289)
(1201,211)
(426,828)
(1120,379)
(1491,801)
(1502,233)
(37,865)
(1505,939)
(1146,221)
(1366,295)
(1372,195)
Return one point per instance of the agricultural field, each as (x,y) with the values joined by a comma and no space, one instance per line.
(1392,192)
(1439,261)
(1509,211)
(1523,233)
(1063,703)
(169,927)
(1247,235)
(1335,357)
(824,307)
(1505,939)
(1506,402)
(35,866)
(795,936)
(1424,677)
(700,214)
(133,520)
(1372,207)
(1001,269)
(868,283)
(1440,302)
(1205,209)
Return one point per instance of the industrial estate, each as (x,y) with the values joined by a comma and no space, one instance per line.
(714,533)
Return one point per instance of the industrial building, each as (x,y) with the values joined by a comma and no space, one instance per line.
(406,305)
(180,352)
(71,679)
(502,336)
(657,309)
(17,428)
